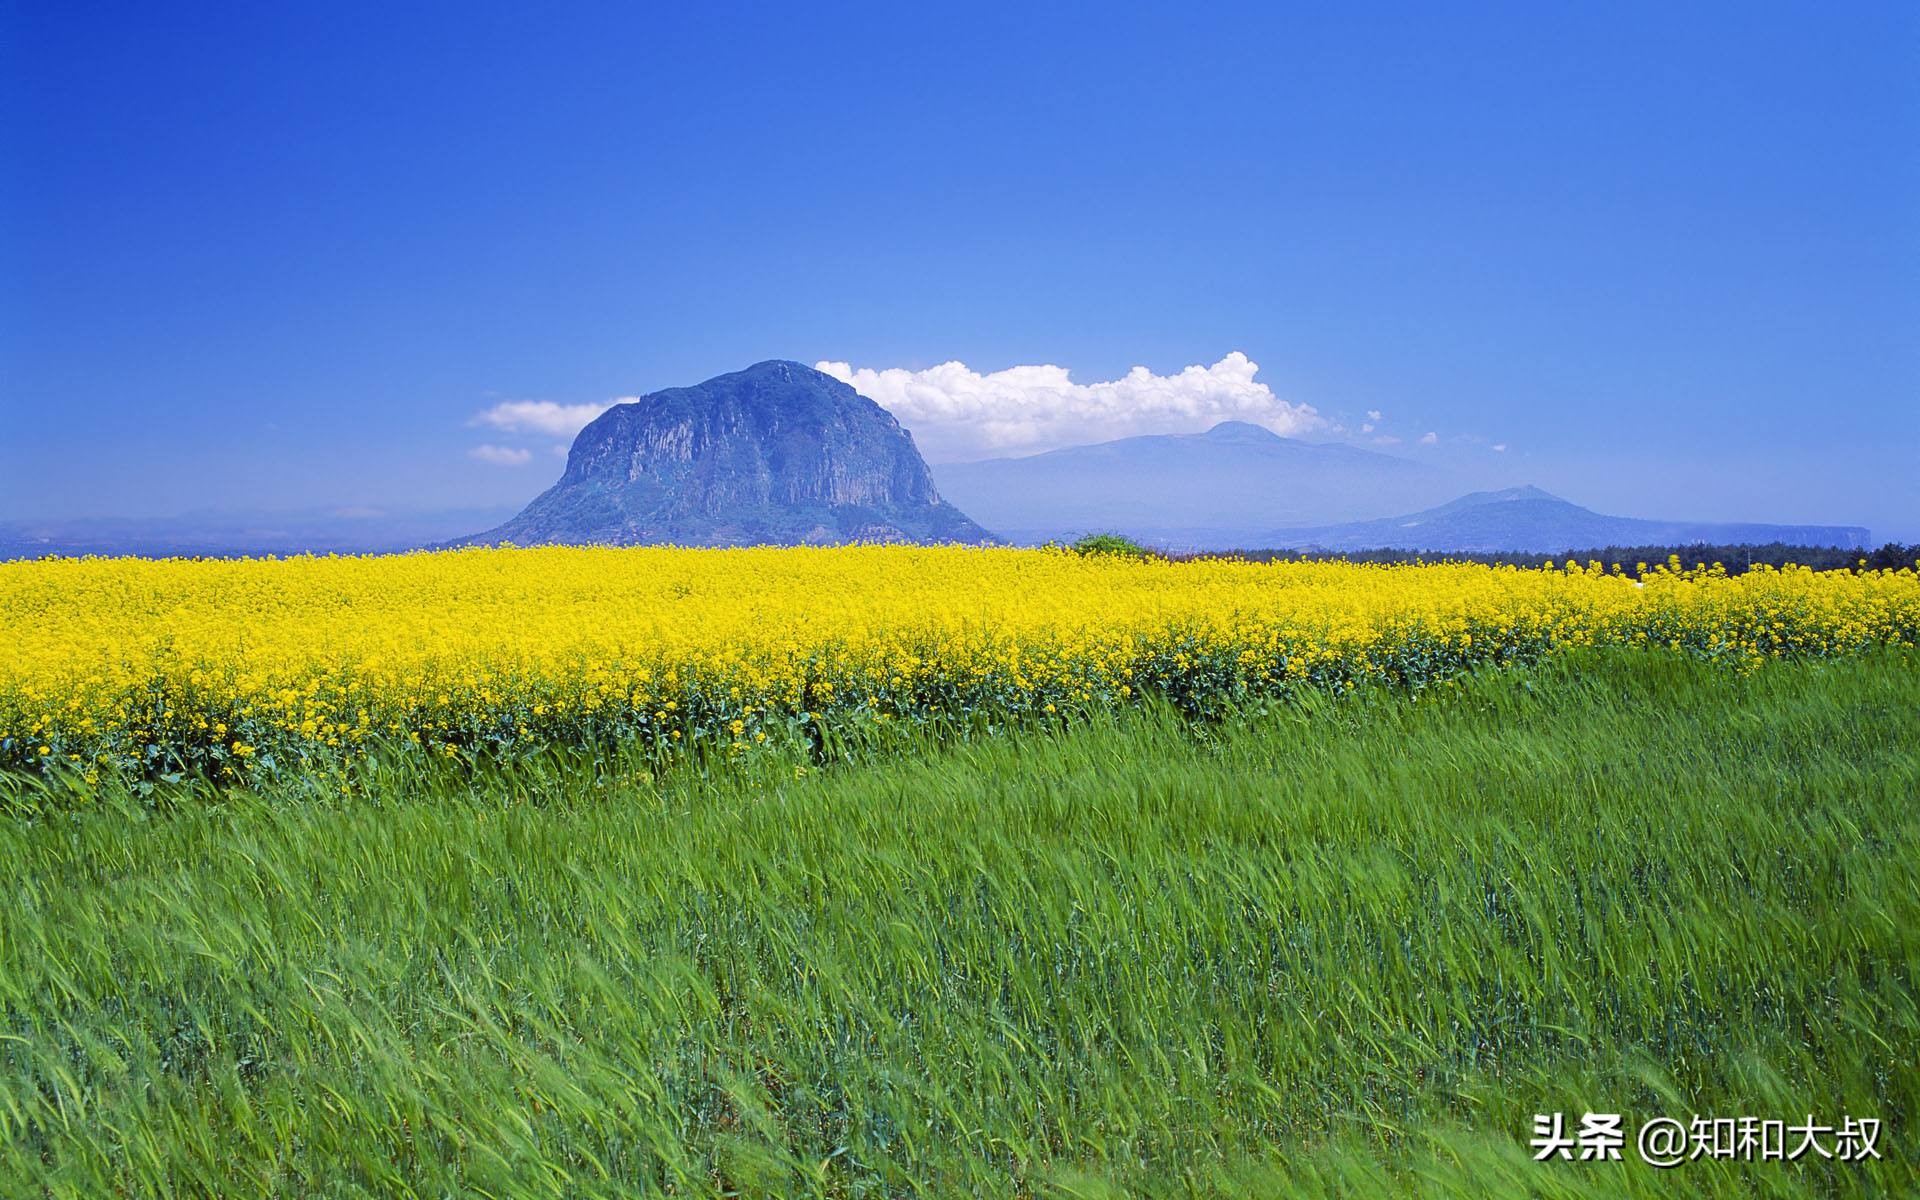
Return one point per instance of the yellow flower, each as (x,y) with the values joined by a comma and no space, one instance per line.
(109,656)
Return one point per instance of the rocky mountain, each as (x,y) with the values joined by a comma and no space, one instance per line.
(1221,489)
(776,454)
(1526,519)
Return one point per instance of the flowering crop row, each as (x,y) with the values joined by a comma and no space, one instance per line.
(241,667)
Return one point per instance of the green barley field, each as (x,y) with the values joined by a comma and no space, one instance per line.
(1333,948)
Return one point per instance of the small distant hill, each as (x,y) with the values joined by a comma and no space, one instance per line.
(1526,519)
(777,454)
(1215,490)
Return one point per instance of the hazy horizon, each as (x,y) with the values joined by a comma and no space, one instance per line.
(1468,466)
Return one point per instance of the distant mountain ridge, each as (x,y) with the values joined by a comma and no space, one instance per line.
(781,453)
(778,453)
(1211,490)
(1529,520)
(213,534)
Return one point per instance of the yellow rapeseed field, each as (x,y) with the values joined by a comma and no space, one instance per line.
(154,667)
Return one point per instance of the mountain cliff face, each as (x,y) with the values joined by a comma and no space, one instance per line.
(776,454)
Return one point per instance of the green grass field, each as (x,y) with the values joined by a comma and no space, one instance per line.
(1340,948)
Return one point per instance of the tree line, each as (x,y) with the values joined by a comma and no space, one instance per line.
(1737,559)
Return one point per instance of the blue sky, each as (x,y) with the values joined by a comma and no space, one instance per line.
(277,256)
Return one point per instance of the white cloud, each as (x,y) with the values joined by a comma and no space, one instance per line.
(1429,439)
(502,456)
(1373,414)
(1499,447)
(1366,427)
(543,416)
(1386,439)
(956,413)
